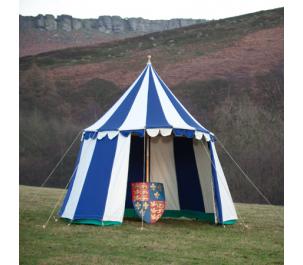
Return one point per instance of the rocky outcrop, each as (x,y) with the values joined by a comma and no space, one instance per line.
(105,24)
(46,33)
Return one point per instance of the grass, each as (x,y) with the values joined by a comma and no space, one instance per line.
(166,242)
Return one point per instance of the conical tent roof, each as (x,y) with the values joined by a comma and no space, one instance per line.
(148,104)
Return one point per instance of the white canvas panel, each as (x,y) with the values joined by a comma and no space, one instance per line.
(205,175)
(166,131)
(152,132)
(115,202)
(110,112)
(228,208)
(83,166)
(136,118)
(207,137)
(171,114)
(162,169)
(112,134)
(198,135)
(101,135)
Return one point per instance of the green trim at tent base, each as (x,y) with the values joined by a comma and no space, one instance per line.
(131,213)
(230,222)
(200,216)
(93,222)
(210,217)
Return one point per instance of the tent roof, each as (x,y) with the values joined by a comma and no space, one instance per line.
(148,104)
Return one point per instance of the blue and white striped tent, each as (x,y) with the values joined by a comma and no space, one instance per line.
(182,156)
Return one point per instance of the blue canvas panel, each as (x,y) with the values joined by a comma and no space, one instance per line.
(139,133)
(185,133)
(93,196)
(155,116)
(189,189)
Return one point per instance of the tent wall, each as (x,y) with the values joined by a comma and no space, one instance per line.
(225,206)
(72,181)
(75,189)
(194,182)
(98,191)
(115,203)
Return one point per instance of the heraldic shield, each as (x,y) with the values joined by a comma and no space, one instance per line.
(148,200)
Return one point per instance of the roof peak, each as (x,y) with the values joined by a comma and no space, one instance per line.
(148,59)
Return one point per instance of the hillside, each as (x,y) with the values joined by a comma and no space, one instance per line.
(228,73)
(45,33)
(168,241)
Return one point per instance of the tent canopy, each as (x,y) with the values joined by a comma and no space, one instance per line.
(148,104)
(182,156)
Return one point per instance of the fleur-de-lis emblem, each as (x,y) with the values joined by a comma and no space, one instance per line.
(153,186)
(157,194)
(145,205)
(153,204)
(138,205)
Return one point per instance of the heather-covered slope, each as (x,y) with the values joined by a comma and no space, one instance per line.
(228,73)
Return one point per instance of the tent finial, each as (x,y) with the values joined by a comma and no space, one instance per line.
(148,59)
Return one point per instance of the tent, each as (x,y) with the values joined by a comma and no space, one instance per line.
(182,156)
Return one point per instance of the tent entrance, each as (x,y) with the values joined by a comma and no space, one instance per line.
(172,163)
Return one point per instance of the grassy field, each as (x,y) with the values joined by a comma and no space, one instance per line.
(260,241)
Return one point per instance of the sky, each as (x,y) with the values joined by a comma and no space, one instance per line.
(150,9)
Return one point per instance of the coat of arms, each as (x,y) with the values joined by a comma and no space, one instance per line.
(149,200)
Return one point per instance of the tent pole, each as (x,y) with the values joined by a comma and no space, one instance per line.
(144,171)
(144,157)
(148,159)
